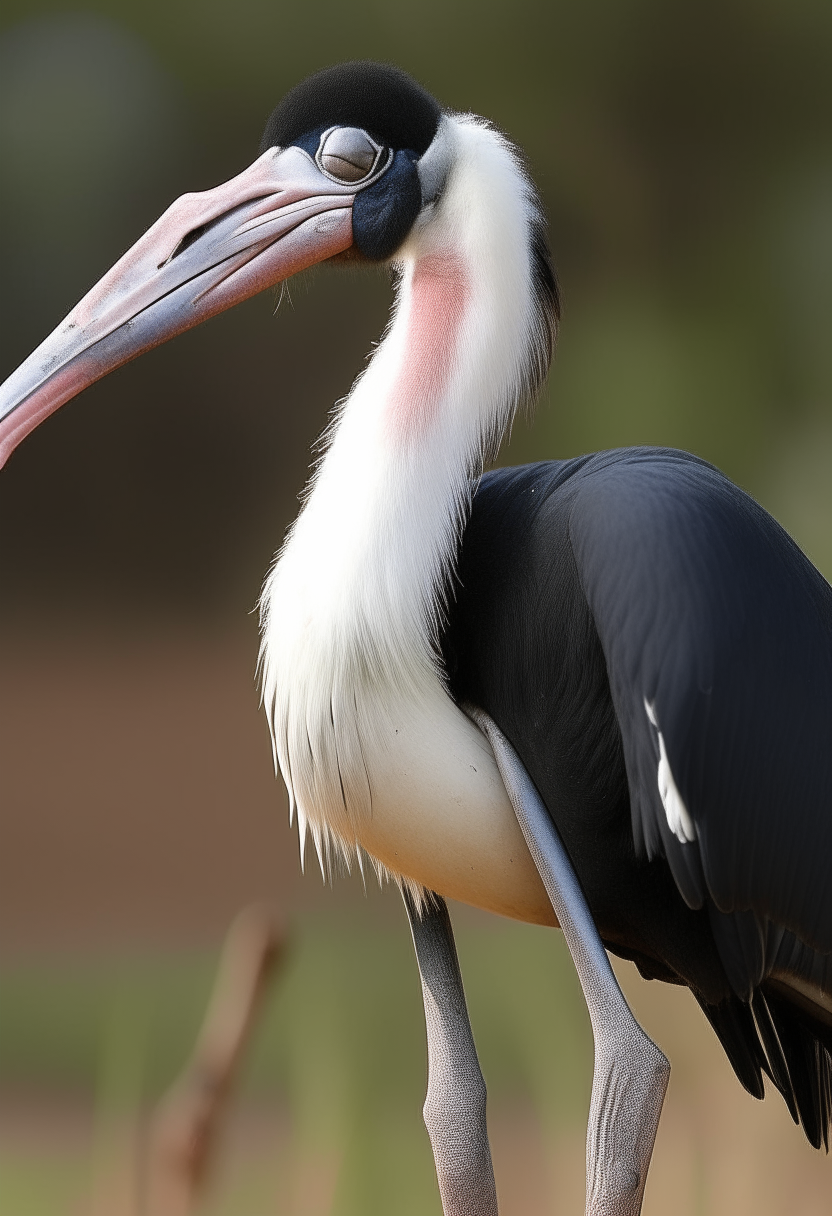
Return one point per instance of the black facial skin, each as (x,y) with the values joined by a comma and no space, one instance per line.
(390,107)
(384,213)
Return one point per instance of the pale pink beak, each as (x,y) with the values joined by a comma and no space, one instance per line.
(207,252)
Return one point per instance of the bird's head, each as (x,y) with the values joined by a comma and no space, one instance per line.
(354,161)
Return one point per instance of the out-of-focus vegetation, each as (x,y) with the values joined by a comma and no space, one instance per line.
(327,1121)
(338,1062)
(684,153)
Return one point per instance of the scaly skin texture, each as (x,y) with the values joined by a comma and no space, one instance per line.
(455,1104)
(631,1074)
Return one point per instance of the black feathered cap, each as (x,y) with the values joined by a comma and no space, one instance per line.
(383,100)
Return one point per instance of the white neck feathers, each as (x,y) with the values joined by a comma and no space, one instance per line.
(352,607)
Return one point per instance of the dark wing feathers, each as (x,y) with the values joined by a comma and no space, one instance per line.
(588,587)
(707,610)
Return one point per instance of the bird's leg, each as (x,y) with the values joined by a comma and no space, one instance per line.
(631,1074)
(454,1108)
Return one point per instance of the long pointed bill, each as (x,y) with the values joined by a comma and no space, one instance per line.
(207,252)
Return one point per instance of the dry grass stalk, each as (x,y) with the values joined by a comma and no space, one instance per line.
(184,1130)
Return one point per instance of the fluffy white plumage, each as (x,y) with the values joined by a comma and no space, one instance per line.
(372,749)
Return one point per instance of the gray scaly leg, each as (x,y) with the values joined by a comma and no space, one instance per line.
(631,1074)
(455,1104)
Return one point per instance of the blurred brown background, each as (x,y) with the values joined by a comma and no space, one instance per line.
(684,154)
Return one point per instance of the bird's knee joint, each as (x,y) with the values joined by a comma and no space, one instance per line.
(457,1109)
(622,1179)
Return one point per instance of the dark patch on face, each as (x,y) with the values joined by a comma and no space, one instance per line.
(384,213)
(383,100)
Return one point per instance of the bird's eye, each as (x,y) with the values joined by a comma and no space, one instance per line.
(348,154)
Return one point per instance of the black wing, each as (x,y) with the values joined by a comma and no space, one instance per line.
(607,601)
(716,626)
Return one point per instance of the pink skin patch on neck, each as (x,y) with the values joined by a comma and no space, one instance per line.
(438,301)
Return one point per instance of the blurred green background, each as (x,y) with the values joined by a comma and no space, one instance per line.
(684,155)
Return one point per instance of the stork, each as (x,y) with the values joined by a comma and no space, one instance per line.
(594,692)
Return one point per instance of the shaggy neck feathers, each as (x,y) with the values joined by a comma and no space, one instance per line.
(352,608)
